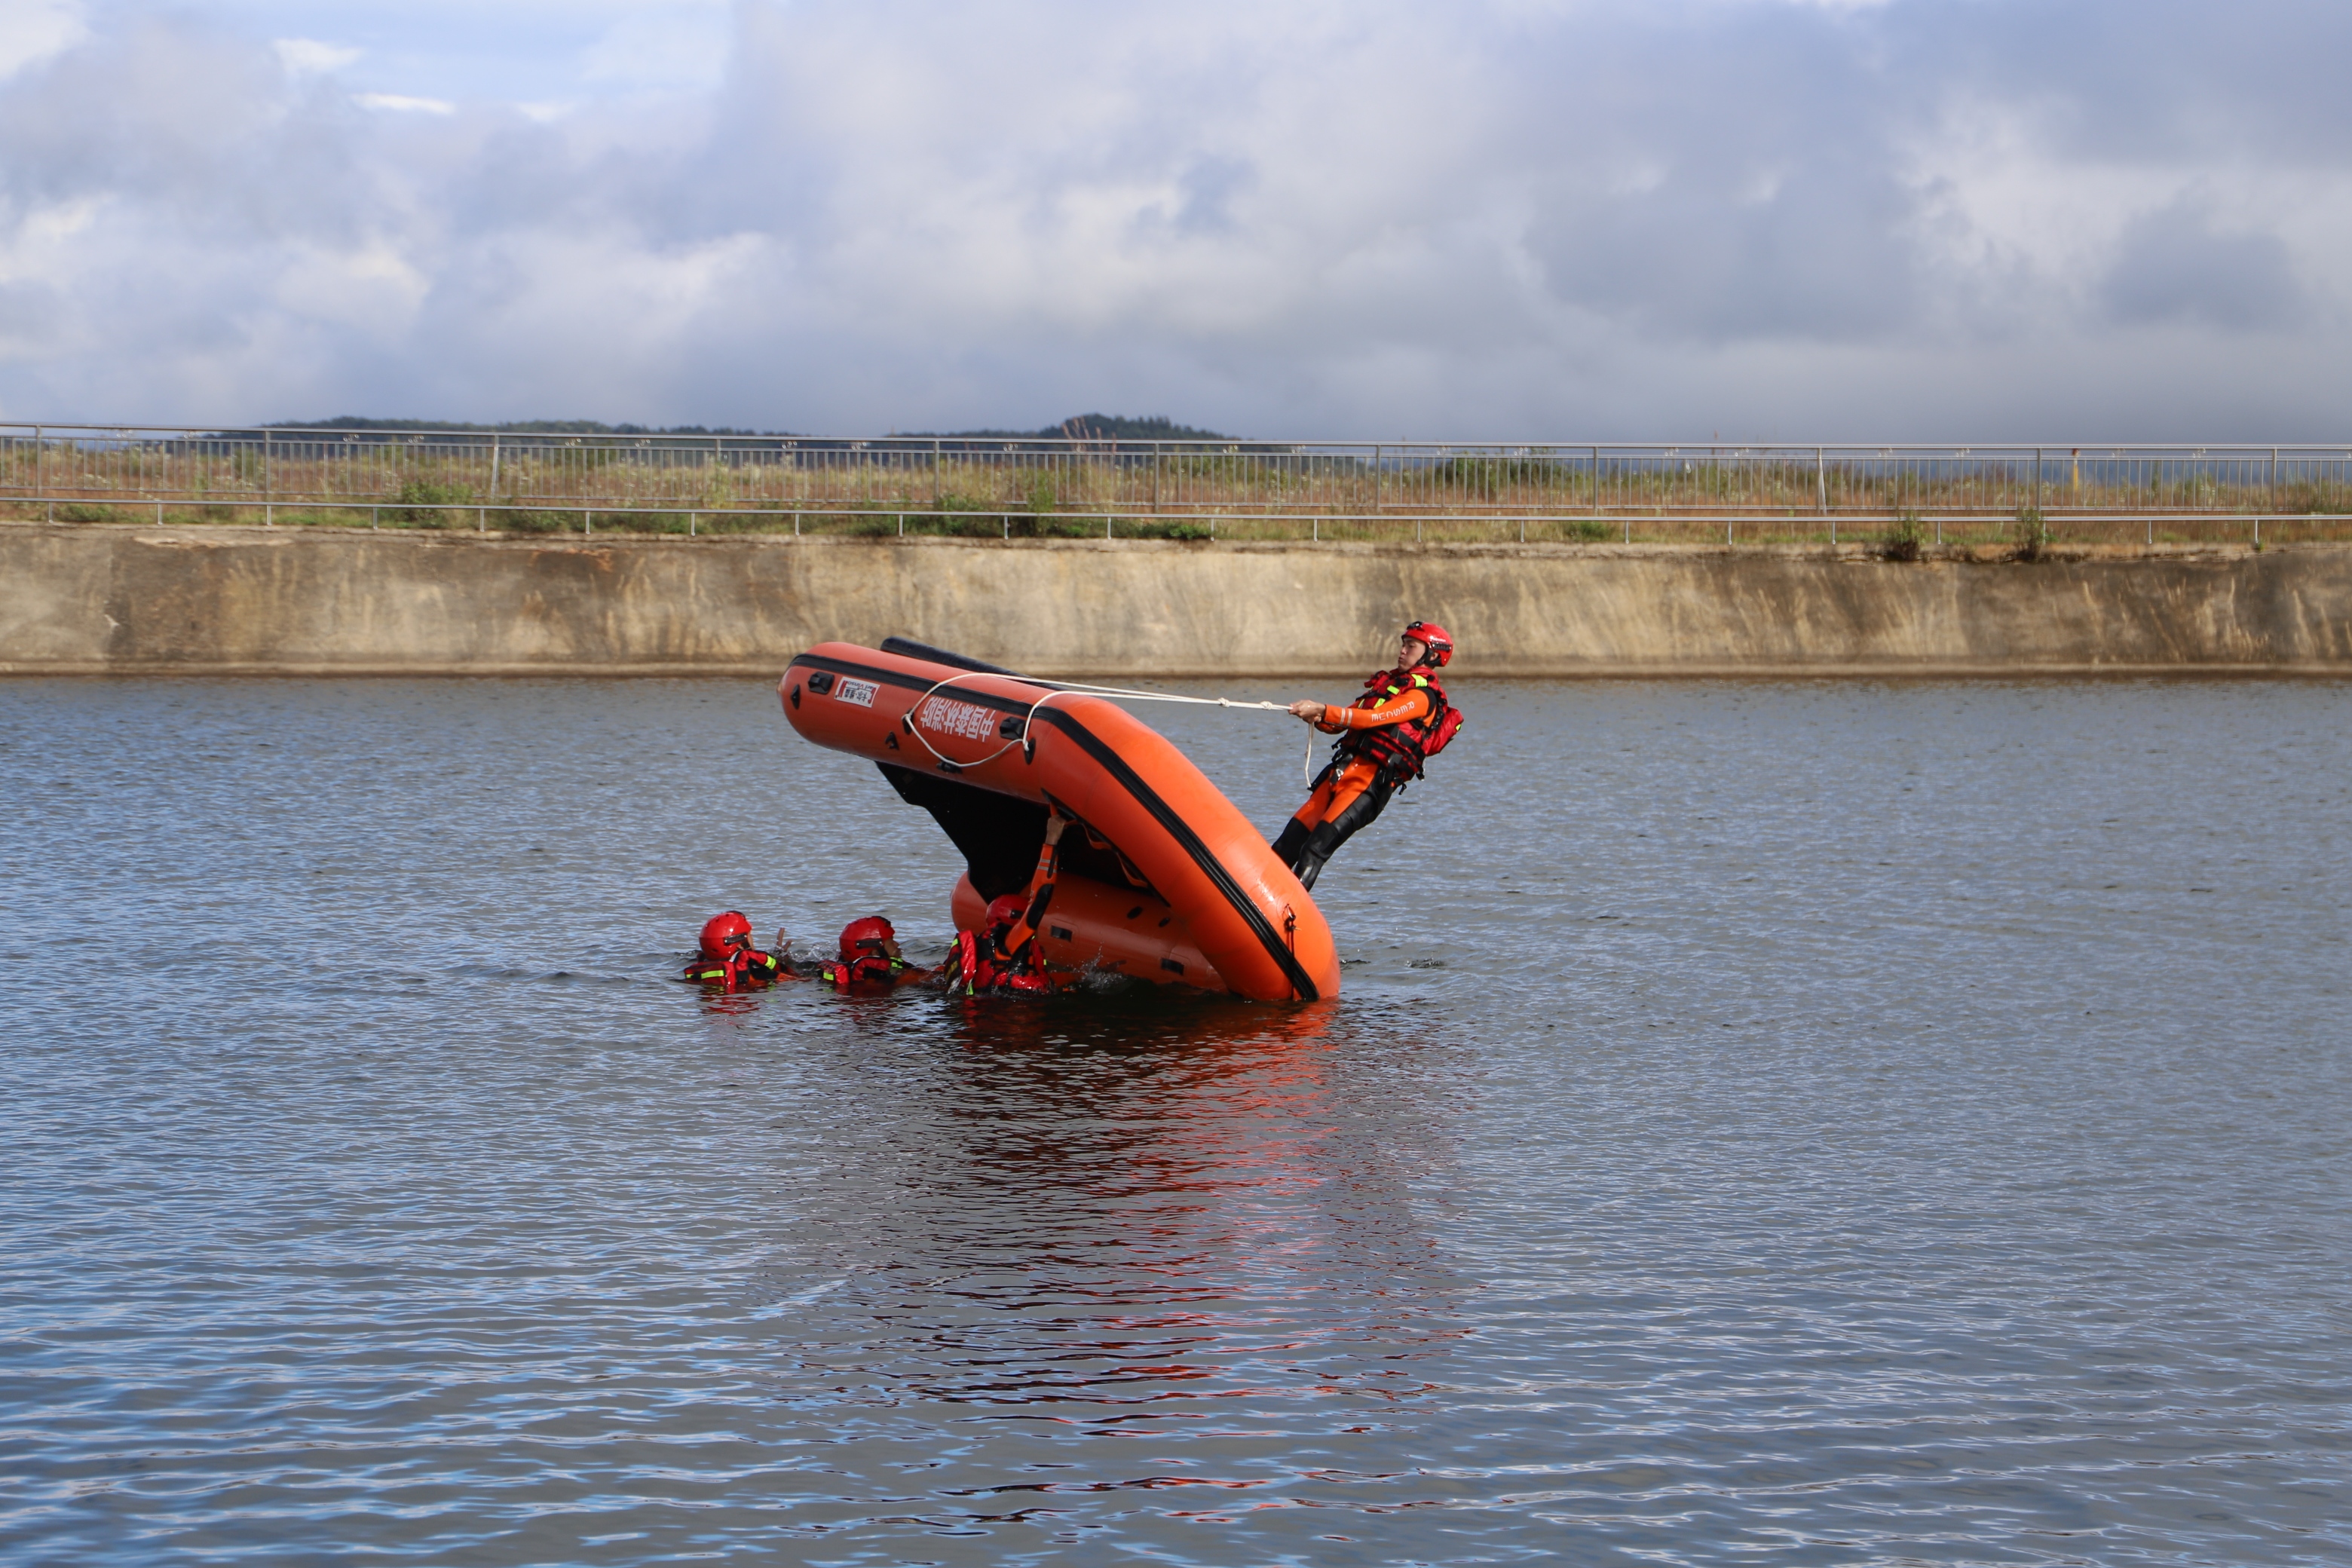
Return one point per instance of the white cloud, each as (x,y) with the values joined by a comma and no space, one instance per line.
(1783,220)
(305,57)
(402,103)
(32,30)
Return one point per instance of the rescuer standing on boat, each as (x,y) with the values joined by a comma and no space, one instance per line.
(1401,721)
(1002,959)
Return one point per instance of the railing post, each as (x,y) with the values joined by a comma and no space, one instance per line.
(494,472)
(2037,478)
(41,453)
(1822,479)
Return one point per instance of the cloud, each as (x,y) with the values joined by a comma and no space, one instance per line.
(399,102)
(1581,219)
(32,30)
(308,55)
(2175,266)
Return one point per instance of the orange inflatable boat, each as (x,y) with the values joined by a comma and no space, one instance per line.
(1169,881)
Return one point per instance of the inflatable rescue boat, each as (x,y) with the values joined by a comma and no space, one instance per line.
(1169,882)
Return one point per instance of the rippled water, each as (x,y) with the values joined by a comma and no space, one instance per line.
(1765,1123)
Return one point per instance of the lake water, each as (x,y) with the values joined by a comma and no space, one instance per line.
(1772,1123)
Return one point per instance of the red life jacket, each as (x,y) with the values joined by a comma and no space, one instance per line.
(980,970)
(866,971)
(1404,749)
(745,969)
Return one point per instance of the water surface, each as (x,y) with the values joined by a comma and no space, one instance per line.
(1789,1123)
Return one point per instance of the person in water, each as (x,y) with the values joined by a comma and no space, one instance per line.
(1385,735)
(728,961)
(1002,959)
(870,960)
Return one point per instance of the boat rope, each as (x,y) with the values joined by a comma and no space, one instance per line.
(1087,689)
(1078,689)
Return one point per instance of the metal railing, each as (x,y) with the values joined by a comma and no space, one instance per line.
(1432,491)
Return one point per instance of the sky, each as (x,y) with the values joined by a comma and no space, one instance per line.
(1538,220)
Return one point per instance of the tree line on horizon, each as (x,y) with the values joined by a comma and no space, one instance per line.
(1080,428)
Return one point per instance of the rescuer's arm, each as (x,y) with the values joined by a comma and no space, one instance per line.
(1400,709)
(1041,885)
(783,957)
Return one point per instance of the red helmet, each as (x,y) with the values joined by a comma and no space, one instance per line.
(721,934)
(1005,907)
(870,933)
(1436,638)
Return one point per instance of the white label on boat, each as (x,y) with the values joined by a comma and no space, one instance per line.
(858,691)
(948,717)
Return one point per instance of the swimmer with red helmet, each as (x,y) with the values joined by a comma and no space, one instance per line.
(870,960)
(728,961)
(1401,721)
(1002,959)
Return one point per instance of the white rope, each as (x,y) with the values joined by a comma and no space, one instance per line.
(1022,738)
(1084,688)
(1080,689)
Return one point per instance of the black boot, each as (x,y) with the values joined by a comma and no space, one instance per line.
(1290,842)
(1319,845)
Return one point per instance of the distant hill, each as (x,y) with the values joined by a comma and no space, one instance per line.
(1093,427)
(514,426)
(1081,427)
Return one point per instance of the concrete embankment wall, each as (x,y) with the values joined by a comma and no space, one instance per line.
(105,599)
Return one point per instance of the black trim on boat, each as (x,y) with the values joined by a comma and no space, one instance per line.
(907,647)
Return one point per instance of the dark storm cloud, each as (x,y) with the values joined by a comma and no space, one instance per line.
(2173,266)
(1770,218)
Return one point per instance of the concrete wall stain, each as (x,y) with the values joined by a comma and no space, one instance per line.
(122,599)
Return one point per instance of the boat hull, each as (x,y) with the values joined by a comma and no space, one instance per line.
(987,753)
